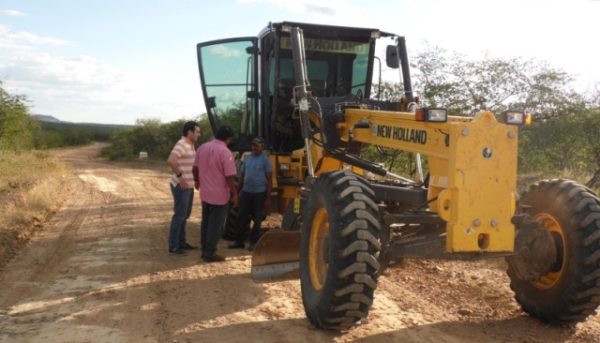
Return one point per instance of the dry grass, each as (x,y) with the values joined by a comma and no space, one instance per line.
(31,188)
(526,180)
(23,170)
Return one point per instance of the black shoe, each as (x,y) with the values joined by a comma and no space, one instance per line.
(177,252)
(188,246)
(213,258)
(236,245)
(251,246)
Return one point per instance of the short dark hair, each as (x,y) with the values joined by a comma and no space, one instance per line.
(224,132)
(189,126)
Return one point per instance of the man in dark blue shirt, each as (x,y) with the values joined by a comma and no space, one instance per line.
(255,196)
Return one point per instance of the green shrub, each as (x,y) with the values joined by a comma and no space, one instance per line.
(17,130)
(568,142)
(152,136)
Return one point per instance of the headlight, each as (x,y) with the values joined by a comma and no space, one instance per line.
(284,166)
(438,115)
(513,117)
(516,117)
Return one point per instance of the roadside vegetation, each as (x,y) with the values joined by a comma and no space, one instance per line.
(62,134)
(152,136)
(32,183)
(32,187)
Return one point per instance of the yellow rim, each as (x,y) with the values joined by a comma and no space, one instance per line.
(552,225)
(317,252)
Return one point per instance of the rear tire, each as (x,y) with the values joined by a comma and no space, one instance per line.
(571,291)
(339,248)
(291,220)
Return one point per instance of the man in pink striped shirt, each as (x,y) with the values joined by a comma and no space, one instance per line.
(181,161)
(214,172)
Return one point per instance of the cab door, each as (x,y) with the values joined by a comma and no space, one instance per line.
(228,74)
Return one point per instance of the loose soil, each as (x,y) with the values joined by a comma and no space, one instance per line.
(99,271)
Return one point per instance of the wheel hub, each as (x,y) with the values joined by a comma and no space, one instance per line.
(318,249)
(536,250)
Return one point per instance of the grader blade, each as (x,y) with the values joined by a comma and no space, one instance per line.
(276,256)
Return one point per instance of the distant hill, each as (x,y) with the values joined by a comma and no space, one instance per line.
(44,118)
(57,133)
(48,121)
(88,126)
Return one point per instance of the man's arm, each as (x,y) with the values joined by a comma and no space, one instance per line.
(196,173)
(173,163)
(233,189)
(269,176)
(176,169)
(230,172)
(241,182)
(196,170)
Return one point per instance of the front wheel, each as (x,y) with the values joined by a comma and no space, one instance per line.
(338,250)
(570,291)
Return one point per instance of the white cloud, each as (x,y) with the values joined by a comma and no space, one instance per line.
(35,39)
(545,30)
(223,51)
(12,13)
(82,88)
(23,38)
(316,8)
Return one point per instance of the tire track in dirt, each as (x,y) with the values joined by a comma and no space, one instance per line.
(43,274)
(94,268)
(143,188)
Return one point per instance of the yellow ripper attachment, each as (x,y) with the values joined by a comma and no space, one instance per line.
(276,255)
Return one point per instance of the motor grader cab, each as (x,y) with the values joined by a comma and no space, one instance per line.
(307,89)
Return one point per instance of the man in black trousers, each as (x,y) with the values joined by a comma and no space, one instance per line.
(255,197)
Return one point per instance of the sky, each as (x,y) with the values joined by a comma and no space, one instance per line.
(119,61)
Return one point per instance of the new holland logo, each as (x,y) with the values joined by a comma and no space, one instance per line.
(400,133)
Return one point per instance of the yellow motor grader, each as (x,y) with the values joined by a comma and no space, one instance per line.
(308,91)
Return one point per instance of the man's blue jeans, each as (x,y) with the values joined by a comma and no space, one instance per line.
(183,199)
(211,228)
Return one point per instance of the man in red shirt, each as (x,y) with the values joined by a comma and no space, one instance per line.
(214,175)
(182,187)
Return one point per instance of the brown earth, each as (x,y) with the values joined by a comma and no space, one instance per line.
(99,272)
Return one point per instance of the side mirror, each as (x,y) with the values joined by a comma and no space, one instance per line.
(210,102)
(391,57)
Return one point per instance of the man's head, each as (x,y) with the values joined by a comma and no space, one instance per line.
(258,144)
(224,133)
(191,130)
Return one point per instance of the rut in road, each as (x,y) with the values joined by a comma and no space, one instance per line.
(100,272)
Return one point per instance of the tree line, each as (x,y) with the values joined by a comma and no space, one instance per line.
(565,133)
(564,136)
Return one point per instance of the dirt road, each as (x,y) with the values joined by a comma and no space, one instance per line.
(100,272)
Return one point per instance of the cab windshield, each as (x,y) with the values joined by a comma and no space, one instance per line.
(335,67)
